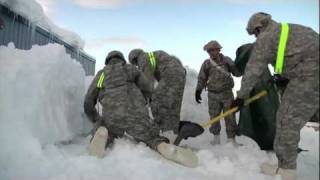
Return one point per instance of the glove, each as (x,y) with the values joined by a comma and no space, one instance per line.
(198,96)
(279,81)
(238,102)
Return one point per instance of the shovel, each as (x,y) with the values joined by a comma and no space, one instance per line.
(189,129)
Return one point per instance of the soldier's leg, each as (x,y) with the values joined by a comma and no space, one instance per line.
(143,131)
(230,121)
(113,132)
(159,106)
(178,97)
(299,103)
(166,105)
(215,108)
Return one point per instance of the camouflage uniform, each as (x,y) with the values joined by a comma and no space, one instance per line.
(217,78)
(121,94)
(167,96)
(300,100)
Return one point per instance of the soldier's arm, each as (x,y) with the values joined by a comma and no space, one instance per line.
(232,68)
(142,63)
(202,77)
(262,55)
(91,99)
(144,84)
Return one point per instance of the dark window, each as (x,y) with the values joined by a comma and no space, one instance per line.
(1,23)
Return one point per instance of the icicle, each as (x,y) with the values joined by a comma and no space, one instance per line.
(14,18)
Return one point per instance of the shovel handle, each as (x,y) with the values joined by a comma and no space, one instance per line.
(234,109)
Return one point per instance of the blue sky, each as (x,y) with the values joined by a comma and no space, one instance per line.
(180,27)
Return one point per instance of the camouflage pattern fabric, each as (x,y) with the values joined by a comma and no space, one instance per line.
(218,80)
(300,100)
(123,102)
(299,103)
(218,102)
(167,96)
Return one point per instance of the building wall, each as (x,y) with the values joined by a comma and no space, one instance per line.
(19,31)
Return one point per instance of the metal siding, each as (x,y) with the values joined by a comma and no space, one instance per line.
(18,31)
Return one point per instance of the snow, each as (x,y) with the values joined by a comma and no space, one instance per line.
(33,11)
(42,129)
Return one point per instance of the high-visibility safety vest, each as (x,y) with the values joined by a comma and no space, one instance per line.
(282,48)
(101,81)
(152,61)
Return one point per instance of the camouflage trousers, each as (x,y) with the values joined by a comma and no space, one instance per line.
(139,128)
(167,99)
(217,103)
(299,103)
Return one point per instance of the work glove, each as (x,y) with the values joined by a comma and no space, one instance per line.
(198,96)
(238,102)
(279,81)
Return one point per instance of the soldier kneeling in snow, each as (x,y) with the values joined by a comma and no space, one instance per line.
(122,91)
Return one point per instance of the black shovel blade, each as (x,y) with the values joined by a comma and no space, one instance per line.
(188,129)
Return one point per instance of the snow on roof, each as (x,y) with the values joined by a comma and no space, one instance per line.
(33,11)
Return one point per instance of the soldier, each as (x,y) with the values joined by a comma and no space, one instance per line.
(167,97)
(215,74)
(294,51)
(121,89)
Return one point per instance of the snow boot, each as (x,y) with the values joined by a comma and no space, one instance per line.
(269,169)
(98,142)
(286,174)
(216,140)
(178,154)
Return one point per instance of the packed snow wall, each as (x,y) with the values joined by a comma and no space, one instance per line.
(41,94)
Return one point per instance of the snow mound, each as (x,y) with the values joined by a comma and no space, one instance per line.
(41,90)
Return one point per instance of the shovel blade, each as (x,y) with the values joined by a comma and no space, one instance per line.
(188,129)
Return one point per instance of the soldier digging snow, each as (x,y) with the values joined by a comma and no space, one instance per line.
(170,74)
(215,74)
(121,90)
(294,51)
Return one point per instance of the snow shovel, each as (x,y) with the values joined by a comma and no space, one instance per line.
(189,129)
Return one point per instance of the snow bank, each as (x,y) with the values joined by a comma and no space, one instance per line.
(33,11)
(41,91)
(41,103)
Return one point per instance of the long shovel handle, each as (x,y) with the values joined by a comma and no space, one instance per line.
(234,109)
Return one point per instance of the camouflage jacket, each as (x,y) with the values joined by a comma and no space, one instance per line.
(163,62)
(301,56)
(217,76)
(121,92)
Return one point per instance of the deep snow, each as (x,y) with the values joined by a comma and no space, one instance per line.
(41,93)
